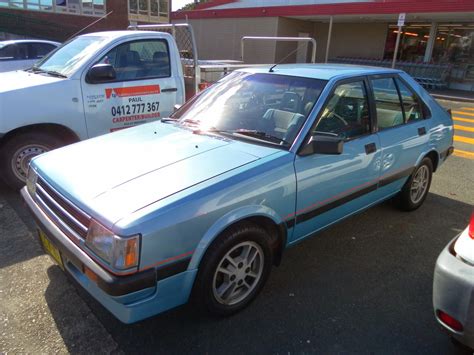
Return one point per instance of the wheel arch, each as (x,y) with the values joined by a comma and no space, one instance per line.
(58,130)
(434,157)
(260,215)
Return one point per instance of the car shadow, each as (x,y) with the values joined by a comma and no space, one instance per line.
(17,242)
(363,285)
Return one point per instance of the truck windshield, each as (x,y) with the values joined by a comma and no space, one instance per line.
(254,106)
(67,58)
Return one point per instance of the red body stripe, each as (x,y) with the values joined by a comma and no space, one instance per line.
(165,261)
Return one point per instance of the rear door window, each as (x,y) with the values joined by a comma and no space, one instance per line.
(39,50)
(411,105)
(387,103)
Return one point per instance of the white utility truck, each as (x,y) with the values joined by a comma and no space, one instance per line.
(99,83)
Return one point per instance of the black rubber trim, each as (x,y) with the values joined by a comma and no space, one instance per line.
(336,203)
(444,154)
(290,223)
(172,269)
(395,177)
(110,284)
(320,210)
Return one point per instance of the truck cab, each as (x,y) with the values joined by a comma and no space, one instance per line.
(93,84)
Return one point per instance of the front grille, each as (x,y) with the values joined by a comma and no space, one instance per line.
(71,220)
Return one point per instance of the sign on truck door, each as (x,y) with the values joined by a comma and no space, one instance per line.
(143,90)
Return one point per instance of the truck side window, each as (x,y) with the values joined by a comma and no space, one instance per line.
(140,60)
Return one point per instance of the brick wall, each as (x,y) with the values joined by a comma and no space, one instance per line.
(59,27)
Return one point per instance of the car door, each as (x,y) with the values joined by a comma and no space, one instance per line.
(37,50)
(402,129)
(331,187)
(14,57)
(144,88)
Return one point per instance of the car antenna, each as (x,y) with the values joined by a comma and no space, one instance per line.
(281,60)
(89,25)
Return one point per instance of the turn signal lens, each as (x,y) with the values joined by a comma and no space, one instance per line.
(471,226)
(120,252)
(450,321)
(126,252)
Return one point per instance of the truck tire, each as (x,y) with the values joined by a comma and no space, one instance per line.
(233,270)
(18,150)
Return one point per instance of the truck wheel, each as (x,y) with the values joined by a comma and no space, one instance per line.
(234,270)
(416,188)
(17,151)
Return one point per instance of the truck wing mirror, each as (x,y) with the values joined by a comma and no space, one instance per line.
(100,73)
(323,144)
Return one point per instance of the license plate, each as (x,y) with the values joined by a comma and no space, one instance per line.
(51,249)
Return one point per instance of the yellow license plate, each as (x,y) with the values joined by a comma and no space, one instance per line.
(51,249)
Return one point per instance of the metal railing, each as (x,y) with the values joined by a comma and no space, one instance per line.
(431,76)
(279,39)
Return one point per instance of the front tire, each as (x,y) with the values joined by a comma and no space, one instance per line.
(17,152)
(416,189)
(234,270)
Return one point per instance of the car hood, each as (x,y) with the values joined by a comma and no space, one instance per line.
(19,79)
(117,174)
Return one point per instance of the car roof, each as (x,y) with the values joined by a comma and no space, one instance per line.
(125,33)
(13,41)
(322,71)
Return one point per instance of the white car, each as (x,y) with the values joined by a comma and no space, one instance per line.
(22,54)
(453,287)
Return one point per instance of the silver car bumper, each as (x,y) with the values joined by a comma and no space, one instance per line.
(453,293)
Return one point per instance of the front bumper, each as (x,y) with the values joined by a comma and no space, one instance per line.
(129,298)
(453,293)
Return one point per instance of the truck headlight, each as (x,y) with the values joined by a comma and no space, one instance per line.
(121,253)
(31,180)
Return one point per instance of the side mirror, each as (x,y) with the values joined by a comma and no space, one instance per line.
(322,144)
(100,73)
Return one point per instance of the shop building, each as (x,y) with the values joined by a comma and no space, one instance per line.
(60,19)
(435,33)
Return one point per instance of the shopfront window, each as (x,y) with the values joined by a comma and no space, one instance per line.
(454,44)
(413,41)
(78,7)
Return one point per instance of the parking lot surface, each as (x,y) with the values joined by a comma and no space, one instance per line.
(364,285)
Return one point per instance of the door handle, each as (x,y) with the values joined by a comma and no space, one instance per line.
(370,148)
(421,131)
(169,90)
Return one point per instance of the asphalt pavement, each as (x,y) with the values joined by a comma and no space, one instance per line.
(362,286)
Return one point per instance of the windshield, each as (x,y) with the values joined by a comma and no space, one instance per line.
(265,107)
(67,58)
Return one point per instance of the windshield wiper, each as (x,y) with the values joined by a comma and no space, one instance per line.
(49,72)
(260,135)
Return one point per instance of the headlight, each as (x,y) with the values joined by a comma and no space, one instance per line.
(31,180)
(121,253)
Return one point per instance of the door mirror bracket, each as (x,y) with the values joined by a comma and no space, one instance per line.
(323,144)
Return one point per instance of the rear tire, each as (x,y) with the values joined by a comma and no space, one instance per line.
(416,189)
(17,152)
(234,270)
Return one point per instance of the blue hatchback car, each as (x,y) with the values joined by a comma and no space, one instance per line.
(202,204)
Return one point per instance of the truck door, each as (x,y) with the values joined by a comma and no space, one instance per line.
(144,88)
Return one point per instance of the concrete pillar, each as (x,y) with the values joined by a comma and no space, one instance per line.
(328,43)
(431,42)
